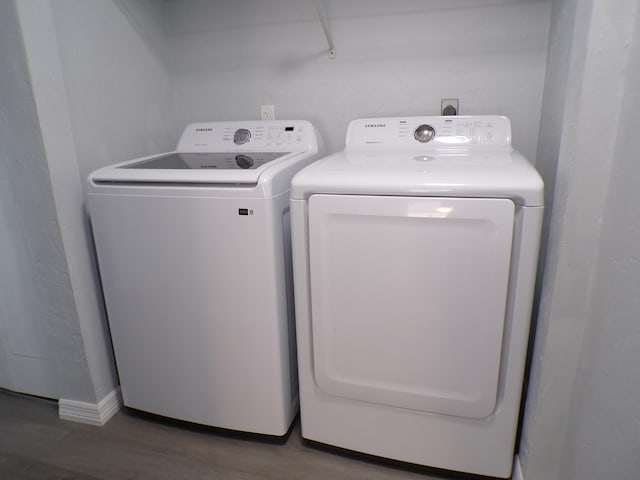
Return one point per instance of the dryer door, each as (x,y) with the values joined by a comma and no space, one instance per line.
(408,298)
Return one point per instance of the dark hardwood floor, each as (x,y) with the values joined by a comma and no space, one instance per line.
(36,444)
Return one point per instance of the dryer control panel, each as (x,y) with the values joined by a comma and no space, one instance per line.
(430,133)
(249,136)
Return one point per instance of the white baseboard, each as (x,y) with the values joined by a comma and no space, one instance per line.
(91,413)
(517,469)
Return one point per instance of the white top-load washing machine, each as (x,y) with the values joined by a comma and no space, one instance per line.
(415,256)
(194,254)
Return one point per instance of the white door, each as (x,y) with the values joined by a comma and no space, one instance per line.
(408,299)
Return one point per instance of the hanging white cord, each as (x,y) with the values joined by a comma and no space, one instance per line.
(332,49)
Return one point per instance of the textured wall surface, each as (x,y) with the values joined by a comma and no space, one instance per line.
(581,417)
(41,346)
(603,439)
(101,93)
(113,63)
(393,58)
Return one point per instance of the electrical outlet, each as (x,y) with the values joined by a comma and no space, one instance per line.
(267,112)
(449,106)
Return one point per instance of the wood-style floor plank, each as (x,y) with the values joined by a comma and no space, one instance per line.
(36,444)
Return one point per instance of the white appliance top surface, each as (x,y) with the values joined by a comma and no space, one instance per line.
(467,156)
(233,153)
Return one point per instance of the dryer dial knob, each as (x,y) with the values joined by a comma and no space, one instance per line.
(424,133)
(241,136)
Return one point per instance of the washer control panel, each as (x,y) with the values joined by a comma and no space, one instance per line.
(250,136)
(449,132)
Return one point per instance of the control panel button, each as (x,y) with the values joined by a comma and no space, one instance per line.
(241,136)
(424,133)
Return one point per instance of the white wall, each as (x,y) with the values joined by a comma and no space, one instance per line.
(100,94)
(41,347)
(393,58)
(582,415)
(119,96)
(603,439)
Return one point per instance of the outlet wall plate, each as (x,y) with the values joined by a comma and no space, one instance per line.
(447,104)
(267,112)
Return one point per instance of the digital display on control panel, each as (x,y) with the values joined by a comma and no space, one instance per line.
(288,129)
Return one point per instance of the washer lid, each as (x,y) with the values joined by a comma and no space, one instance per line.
(502,173)
(197,161)
(205,167)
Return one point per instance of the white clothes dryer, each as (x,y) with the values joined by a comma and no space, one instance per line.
(194,254)
(415,254)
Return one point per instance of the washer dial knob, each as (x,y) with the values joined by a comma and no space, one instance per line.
(241,136)
(424,133)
